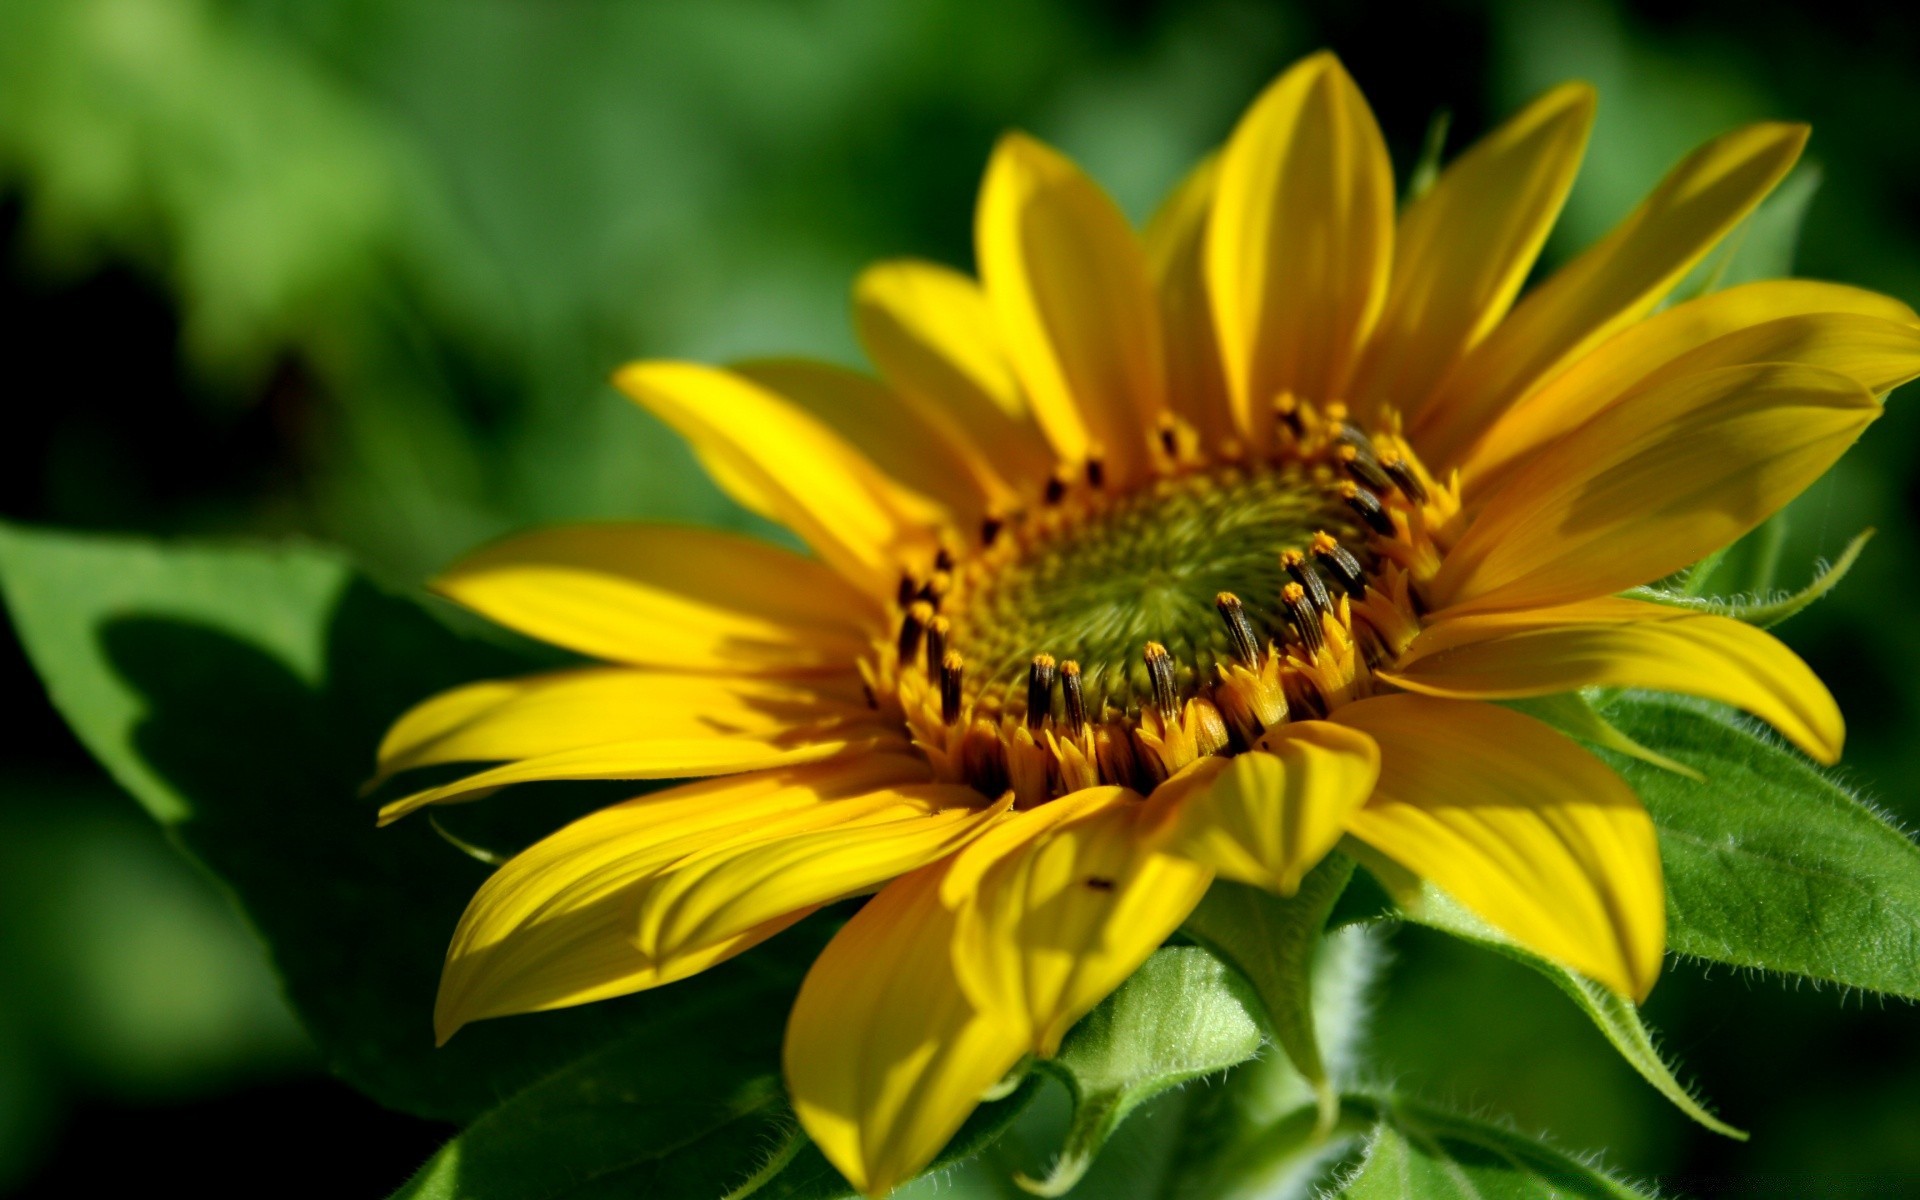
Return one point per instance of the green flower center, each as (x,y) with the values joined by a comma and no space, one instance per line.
(1144,567)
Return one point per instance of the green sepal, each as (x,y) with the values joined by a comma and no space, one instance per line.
(1771,611)
(1182,1016)
(1270,940)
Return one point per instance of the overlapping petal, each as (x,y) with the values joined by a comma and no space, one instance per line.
(918,454)
(1614,283)
(1267,816)
(555,925)
(886,1054)
(1522,826)
(1463,249)
(1300,241)
(931,333)
(666,596)
(500,719)
(656,758)
(1866,337)
(1067,280)
(1058,904)
(1627,643)
(712,894)
(1652,484)
(1176,256)
(788,465)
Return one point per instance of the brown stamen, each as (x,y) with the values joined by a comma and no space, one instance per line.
(1240,636)
(1056,487)
(1363,467)
(937,630)
(1040,677)
(1074,701)
(1339,562)
(952,668)
(1301,572)
(912,625)
(1306,618)
(1287,409)
(1367,507)
(1166,699)
(1404,478)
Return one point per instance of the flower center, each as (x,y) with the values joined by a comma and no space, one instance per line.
(1114,637)
(1096,586)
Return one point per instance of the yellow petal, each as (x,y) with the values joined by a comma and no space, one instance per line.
(1268,816)
(931,334)
(712,895)
(1522,826)
(500,719)
(885,1054)
(1616,282)
(1463,248)
(662,596)
(1864,336)
(1067,279)
(655,758)
(553,927)
(1058,904)
(787,465)
(1661,648)
(1653,483)
(1300,241)
(1176,259)
(917,454)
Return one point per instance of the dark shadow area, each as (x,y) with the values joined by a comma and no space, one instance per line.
(359,916)
(315,1138)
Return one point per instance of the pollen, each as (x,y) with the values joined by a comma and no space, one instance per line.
(1114,632)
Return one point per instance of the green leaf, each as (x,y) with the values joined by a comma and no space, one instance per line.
(1770,864)
(1761,606)
(718,1127)
(1182,1016)
(1420,1153)
(1270,941)
(238,693)
(1615,1016)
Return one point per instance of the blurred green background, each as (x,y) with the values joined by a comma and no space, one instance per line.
(358,271)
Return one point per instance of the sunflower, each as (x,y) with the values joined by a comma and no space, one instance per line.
(1149,559)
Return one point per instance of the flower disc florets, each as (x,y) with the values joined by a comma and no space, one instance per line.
(1115,636)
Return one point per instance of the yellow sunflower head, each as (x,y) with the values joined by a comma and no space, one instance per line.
(1150,558)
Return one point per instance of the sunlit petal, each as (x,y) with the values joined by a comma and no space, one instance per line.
(1522,826)
(1646,646)
(1300,242)
(1652,484)
(554,926)
(1463,249)
(886,1054)
(1616,282)
(785,463)
(666,596)
(1068,283)
(1267,816)
(1058,904)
